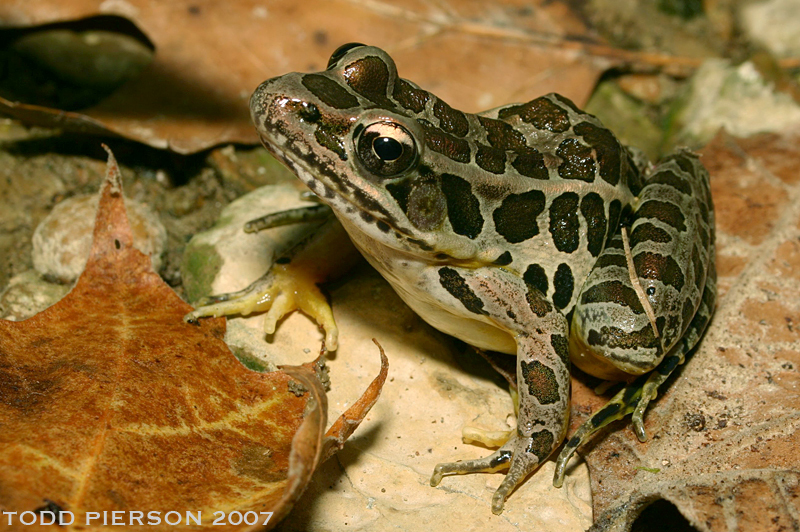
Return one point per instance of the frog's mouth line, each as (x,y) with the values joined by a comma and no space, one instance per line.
(304,152)
(309,173)
(357,200)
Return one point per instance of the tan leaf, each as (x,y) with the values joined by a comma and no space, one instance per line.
(110,402)
(209,56)
(723,440)
(348,422)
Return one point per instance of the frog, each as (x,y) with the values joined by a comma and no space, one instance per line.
(527,229)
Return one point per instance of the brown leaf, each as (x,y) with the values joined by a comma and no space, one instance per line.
(724,439)
(110,402)
(349,421)
(209,56)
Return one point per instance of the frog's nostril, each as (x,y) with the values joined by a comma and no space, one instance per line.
(308,112)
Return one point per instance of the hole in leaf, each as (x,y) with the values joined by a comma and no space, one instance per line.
(659,516)
(49,506)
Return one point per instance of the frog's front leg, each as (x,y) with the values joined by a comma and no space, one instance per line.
(540,332)
(291,283)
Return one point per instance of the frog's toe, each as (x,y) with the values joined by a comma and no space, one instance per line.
(224,305)
(489,438)
(522,464)
(210,309)
(310,299)
(563,459)
(638,426)
(282,304)
(637,420)
(497,461)
(204,302)
(516,456)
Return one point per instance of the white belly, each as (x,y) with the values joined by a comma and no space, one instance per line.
(481,333)
(416,282)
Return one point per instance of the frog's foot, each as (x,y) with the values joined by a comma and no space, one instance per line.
(279,292)
(628,399)
(519,455)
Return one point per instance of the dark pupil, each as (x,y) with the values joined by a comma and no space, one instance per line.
(387,148)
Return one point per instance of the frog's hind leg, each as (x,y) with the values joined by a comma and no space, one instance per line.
(647,298)
(636,396)
(679,353)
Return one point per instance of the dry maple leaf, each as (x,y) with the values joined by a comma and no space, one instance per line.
(110,402)
(209,56)
(724,441)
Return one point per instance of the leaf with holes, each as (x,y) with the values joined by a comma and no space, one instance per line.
(110,402)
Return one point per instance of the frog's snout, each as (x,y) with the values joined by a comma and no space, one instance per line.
(263,100)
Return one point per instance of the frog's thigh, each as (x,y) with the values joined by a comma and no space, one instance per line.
(624,327)
(671,252)
(540,332)
(635,397)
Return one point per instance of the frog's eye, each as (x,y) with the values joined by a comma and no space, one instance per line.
(386,149)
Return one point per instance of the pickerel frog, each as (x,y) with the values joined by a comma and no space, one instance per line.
(527,229)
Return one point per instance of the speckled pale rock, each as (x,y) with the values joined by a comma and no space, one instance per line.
(380,480)
(61,243)
(28,294)
(225,258)
(773,24)
(736,98)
